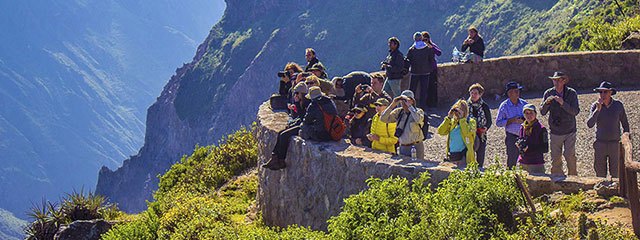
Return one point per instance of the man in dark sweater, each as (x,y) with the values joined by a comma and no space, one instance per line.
(394,68)
(420,58)
(310,56)
(475,44)
(607,114)
(561,102)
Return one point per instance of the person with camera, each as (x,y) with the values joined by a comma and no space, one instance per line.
(409,120)
(532,142)
(366,95)
(359,127)
(382,134)
(349,83)
(288,77)
(475,44)
(432,92)
(420,58)
(510,117)
(608,115)
(561,102)
(479,110)
(460,130)
(393,66)
(297,112)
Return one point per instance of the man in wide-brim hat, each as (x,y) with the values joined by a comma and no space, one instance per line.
(510,117)
(607,114)
(561,102)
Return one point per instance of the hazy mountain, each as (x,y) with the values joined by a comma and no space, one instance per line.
(11,228)
(234,69)
(75,79)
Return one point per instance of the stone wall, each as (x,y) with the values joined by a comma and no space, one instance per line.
(320,175)
(586,69)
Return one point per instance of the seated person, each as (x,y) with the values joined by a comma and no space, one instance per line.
(366,95)
(298,108)
(460,130)
(313,123)
(533,142)
(319,70)
(325,86)
(288,77)
(341,105)
(359,127)
(382,134)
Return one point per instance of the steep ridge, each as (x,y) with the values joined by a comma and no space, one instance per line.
(234,69)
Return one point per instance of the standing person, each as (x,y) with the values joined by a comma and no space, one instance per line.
(510,117)
(561,102)
(432,93)
(382,134)
(393,65)
(475,44)
(359,127)
(298,111)
(366,95)
(420,60)
(479,110)
(460,130)
(409,120)
(310,56)
(349,83)
(607,114)
(533,142)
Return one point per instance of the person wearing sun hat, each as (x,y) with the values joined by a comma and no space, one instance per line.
(359,127)
(561,102)
(409,120)
(510,117)
(313,122)
(533,142)
(608,115)
(381,133)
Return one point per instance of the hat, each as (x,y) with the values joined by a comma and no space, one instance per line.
(408,93)
(557,75)
(358,109)
(301,87)
(417,36)
(381,102)
(605,86)
(314,92)
(317,66)
(529,107)
(512,85)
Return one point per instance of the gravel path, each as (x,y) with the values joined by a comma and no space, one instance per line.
(434,147)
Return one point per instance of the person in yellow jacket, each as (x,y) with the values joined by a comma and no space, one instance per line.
(382,134)
(461,134)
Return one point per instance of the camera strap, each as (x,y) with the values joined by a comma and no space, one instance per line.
(405,120)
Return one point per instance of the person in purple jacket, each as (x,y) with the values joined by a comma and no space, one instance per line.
(533,142)
(432,92)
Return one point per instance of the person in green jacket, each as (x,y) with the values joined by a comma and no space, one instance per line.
(382,134)
(461,134)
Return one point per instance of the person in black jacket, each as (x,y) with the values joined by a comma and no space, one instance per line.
(359,127)
(310,56)
(313,123)
(475,44)
(481,112)
(289,75)
(420,58)
(349,83)
(394,68)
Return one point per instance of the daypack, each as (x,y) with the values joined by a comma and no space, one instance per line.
(425,125)
(278,102)
(333,124)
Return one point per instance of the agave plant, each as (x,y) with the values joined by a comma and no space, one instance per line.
(81,206)
(46,220)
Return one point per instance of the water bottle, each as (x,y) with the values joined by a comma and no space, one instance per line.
(414,154)
(398,150)
(456,55)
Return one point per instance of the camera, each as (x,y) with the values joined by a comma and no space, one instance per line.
(282,74)
(364,87)
(521,143)
(398,132)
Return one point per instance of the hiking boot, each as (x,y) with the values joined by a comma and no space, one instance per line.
(275,163)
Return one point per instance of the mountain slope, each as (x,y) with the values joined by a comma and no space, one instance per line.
(234,68)
(75,78)
(11,228)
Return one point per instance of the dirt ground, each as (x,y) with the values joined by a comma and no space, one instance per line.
(434,147)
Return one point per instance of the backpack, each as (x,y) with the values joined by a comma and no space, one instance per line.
(278,102)
(425,126)
(333,124)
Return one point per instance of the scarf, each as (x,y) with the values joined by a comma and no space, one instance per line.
(477,112)
(419,45)
(528,126)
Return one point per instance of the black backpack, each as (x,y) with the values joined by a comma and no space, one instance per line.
(425,126)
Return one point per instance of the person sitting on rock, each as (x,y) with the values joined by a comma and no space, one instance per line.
(298,111)
(325,86)
(313,123)
(359,127)
(510,117)
(608,115)
(533,142)
(319,70)
(460,130)
(310,56)
(475,44)
(291,71)
(382,134)
(341,104)
(366,95)
(479,110)
(561,102)
(409,120)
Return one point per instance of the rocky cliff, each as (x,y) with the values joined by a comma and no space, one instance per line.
(234,69)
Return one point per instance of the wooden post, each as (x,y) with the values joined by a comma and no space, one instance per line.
(634,203)
(527,197)
(622,184)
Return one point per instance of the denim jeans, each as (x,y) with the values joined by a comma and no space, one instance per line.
(392,87)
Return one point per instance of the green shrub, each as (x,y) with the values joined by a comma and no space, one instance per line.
(143,227)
